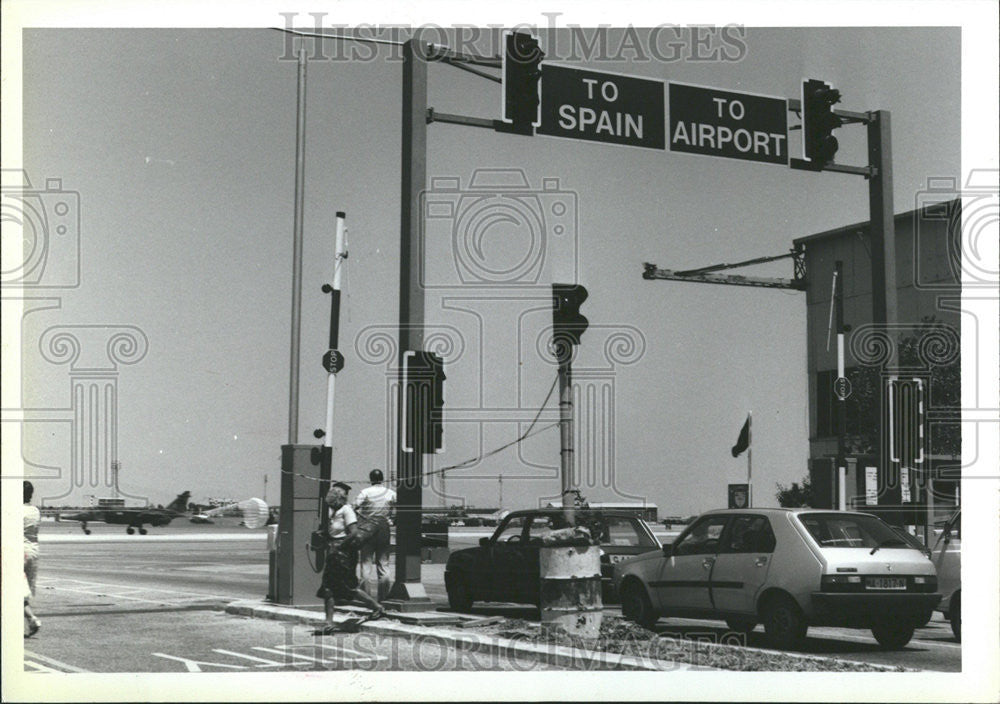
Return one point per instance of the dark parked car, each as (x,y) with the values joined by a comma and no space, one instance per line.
(505,566)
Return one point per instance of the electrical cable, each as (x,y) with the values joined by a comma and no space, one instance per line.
(461,465)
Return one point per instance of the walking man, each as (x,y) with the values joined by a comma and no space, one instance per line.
(32,519)
(375,505)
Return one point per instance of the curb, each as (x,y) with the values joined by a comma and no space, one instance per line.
(494,646)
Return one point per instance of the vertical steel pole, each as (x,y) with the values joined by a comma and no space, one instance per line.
(882,230)
(300,169)
(566,450)
(838,303)
(408,587)
(750,459)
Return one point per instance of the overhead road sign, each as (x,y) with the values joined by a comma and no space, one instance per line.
(602,107)
(724,123)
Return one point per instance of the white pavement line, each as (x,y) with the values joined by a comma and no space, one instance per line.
(113,590)
(288,652)
(195,665)
(62,667)
(267,663)
(37,667)
(173,538)
(113,596)
(339,649)
(285,653)
(872,641)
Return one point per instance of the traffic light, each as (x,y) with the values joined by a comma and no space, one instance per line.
(568,324)
(521,72)
(424,409)
(818,121)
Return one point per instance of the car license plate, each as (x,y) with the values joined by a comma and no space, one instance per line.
(885,583)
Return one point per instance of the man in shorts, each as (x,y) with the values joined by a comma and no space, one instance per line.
(375,506)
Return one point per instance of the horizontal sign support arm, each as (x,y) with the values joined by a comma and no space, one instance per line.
(434,116)
(476,71)
(736,265)
(436,52)
(795,105)
(866,171)
(652,272)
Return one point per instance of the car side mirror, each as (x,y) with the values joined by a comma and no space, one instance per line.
(484,542)
(668,549)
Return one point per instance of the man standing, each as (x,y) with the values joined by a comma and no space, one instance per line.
(32,519)
(375,505)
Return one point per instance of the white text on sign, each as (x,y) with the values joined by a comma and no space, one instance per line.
(721,123)
(602,107)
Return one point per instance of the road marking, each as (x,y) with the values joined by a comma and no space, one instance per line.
(286,650)
(122,592)
(36,667)
(62,667)
(195,665)
(267,663)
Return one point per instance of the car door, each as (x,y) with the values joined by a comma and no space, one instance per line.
(742,564)
(500,559)
(683,581)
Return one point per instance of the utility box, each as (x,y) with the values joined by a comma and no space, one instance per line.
(295,571)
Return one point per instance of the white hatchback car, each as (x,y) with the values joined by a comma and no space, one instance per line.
(947,557)
(789,569)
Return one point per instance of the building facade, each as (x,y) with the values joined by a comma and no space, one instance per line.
(903,379)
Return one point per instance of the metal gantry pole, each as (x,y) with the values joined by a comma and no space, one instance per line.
(300,160)
(566,449)
(882,226)
(750,459)
(409,500)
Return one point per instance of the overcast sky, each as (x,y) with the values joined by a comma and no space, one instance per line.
(180,146)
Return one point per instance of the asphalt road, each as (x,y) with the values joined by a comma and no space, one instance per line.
(116,603)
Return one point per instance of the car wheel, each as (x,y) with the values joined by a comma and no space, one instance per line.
(784,622)
(740,624)
(955,615)
(130,530)
(636,606)
(459,593)
(893,635)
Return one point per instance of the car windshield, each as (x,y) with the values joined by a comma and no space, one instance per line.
(839,530)
(609,530)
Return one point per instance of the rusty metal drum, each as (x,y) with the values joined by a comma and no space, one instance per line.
(571,590)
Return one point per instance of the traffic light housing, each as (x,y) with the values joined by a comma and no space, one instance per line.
(424,399)
(818,121)
(567,322)
(521,73)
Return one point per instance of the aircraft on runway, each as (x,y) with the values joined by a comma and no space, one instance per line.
(133,517)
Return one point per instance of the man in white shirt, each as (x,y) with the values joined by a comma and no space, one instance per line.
(375,505)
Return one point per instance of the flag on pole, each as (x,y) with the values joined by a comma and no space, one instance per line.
(744,441)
